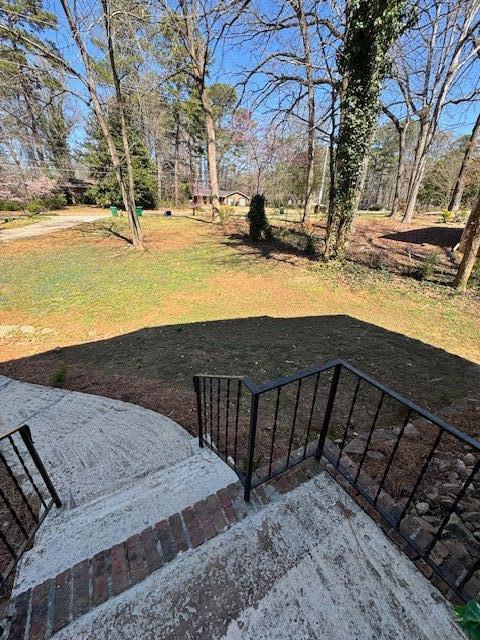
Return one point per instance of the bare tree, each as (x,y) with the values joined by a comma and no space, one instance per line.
(456,199)
(196,28)
(430,62)
(88,79)
(470,246)
(295,68)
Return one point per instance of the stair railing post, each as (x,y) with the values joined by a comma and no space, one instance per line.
(196,384)
(26,436)
(251,446)
(328,411)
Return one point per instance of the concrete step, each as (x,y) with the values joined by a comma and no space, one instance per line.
(310,565)
(69,536)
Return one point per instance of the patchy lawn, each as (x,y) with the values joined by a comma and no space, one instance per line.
(138,326)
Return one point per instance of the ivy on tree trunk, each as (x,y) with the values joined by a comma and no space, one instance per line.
(373,25)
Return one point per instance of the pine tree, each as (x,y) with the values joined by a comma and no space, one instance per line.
(106,191)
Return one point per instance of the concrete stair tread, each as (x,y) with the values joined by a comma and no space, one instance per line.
(309,565)
(69,536)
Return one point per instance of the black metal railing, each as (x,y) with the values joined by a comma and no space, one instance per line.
(26,496)
(407,463)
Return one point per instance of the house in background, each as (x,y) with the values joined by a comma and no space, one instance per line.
(232,198)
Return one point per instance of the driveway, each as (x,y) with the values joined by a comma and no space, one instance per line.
(46,226)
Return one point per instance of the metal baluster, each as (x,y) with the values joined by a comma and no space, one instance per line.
(274,430)
(196,384)
(349,421)
(299,387)
(367,444)
(226,419)
(392,455)
(17,484)
(218,416)
(239,394)
(25,468)
(420,477)
(205,408)
(328,411)
(452,509)
(11,550)
(211,414)
(312,408)
(13,513)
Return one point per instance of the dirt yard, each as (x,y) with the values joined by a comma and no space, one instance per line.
(82,309)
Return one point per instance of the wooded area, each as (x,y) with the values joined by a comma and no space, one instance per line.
(325,106)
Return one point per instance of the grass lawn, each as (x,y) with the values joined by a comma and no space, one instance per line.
(137,326)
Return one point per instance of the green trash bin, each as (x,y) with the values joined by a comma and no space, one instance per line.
(114,211)
(139,211)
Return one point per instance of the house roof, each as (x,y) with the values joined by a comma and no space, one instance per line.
(204,191)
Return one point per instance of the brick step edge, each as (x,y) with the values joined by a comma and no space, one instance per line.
(39,613)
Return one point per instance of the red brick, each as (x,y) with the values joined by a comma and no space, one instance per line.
(19,619)
(119,565)
(81,588)
(176,527)
(152,556)
(193,527)
(61,601)
(135,558)
(38,622)
(215,510)
(100,571)
(424,568)
(206,523)
(167,543)
(228,508)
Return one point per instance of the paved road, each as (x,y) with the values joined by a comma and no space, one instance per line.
(49,225)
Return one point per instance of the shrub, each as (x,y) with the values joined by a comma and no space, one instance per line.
(9,205)
(427,269)
(446,215)
(35,206)
(55,201)
(59,377)
(258,219)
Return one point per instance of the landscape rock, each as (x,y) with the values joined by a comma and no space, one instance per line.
(422,508)
(469,459)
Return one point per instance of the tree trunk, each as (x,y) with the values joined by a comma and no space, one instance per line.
(307,55)
(470,249)
(158,161)
(211,154)
(102,122)
(418,170)
(456,199)
(175,165)
(402,137)
(130,190)
(322,182)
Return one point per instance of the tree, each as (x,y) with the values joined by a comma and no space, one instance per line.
(456,199)
(87,78)
(296,68)
(106,190)
(373,25)
(435,69)
(195,32)
(471,248)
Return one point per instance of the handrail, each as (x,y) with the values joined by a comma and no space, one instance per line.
(29,526)
(312,426)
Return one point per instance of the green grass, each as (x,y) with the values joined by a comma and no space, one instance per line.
(198,300)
